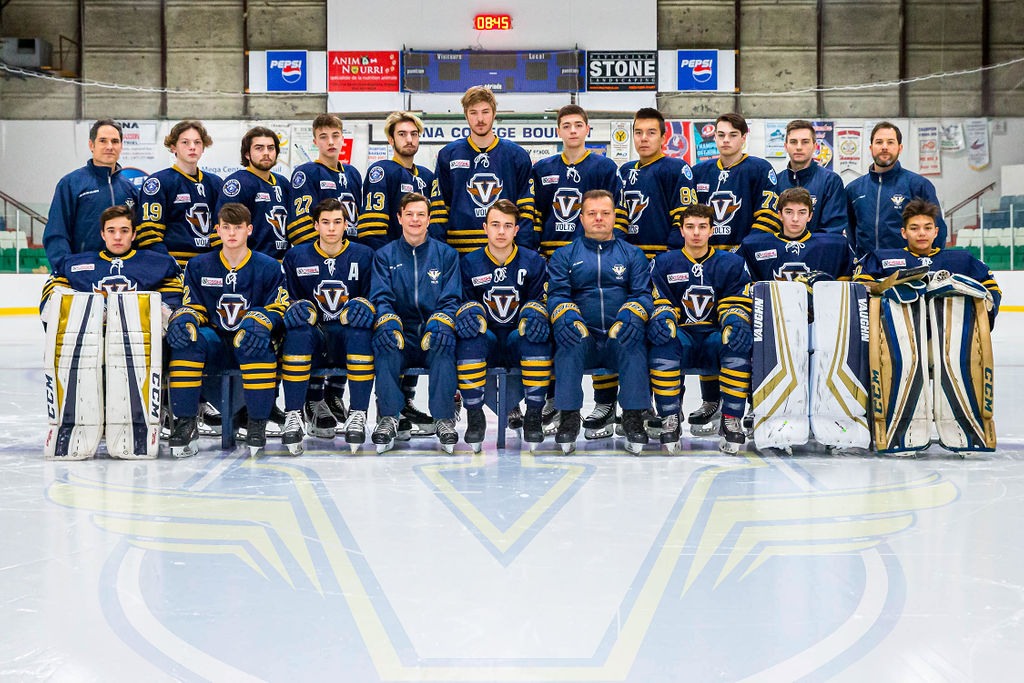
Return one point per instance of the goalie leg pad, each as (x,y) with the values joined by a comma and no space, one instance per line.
(73,376)
(962,363)
(134,371)
(839,369)
(779,360)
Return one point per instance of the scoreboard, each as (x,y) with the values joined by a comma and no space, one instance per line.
(520,71)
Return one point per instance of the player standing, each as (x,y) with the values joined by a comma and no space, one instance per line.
(825,186)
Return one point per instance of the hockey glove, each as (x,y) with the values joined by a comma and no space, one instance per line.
(439,334)
(736,333)
(906,275)
(811,278)
(182,328)
(300,314)
(944,283)
(568,325)
(253,336)
(533,322)
(628,327)
(470,320)
(358,312)
(662,327)
(387,334)
(905,292)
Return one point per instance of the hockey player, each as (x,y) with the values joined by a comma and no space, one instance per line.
(325,177)
(232,307)
(82,195)
(742,190)
(264,193)
(416,292)
(388,180)
(599,299)
(825,186)
(476,171)
(503,322)
(876,200)
(701,319)
(327,324)
(176,204)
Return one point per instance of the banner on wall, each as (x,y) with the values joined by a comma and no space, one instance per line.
(704,147)
(622,71)
(928,159)
(697,70)
(976,138)
(618,142)
(360,71)
(775,139)
(848,150)
(952,137)
(287,70)
(824,142)
(679,140)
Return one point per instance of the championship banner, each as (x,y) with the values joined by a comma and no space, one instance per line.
(823,147)
(704,147)
(355,71)
(679,141)
(929,160)
(618,146)
(622,71)
(953,137)
(976,136)
(775,139)
(848,146)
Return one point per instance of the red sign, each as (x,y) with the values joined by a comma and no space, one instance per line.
(362,71)
(492,22)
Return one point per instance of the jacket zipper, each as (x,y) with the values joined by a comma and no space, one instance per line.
(600,287)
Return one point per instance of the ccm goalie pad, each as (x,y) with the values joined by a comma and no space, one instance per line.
(962,365)
(73,375)
(134,374)
(779,360)
(839,365)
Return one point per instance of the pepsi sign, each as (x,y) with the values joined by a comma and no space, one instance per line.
(698,69)
(286,71)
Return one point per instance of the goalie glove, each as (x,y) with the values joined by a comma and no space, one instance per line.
(387,334)
(811,278)
(662,327)
(253,336)
(439,334)
(358,312)
(899,277)
(570,329)
(301,313)
(736,332)
(944,283)
(182,328)
(628,327)
(471,320)
(533,322)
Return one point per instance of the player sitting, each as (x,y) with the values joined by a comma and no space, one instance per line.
(233,304)
(503,323)
(701,320)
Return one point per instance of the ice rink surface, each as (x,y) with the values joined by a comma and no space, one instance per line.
(505,566)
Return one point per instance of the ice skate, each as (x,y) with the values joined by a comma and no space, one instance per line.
(600,424)
(355,429)
(515,419)
(670,433)
(636,435)
(652,423)
(256,436)
(550,417)
(476,427)
(568,431)
(533,427)
(320,420)
(731,431)
(421,424)
(209,420)
(336,404)
(748,425)
(446,434)
(184,438)
(385,433)
(291,433)
(704,420)
(275,423)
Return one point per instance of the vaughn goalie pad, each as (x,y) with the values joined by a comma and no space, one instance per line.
(73,375)
(779,364)
(900,397)
(962,368)
(839,365)
(134,374)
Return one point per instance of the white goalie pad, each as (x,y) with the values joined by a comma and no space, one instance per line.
(779,365)
(73,375)
(134,374)
(839,365)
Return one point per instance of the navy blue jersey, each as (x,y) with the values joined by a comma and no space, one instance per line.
(386,183)
(503,288)
(268,203)
(102,273)
(743,196)
(652,198)
(329,281)
(701,289)
(559,188)
(313,182)
(222,295)
(416,282)
(467,180)
(827,194)
(176,212)
(771,256)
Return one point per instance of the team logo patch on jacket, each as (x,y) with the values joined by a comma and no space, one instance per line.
(435,276)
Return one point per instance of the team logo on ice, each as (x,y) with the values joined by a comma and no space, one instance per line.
(231,308)
(484,189)
(566,205)
(435,276)
(331,296)
(502,302)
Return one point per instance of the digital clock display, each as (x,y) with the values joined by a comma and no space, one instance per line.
(493,22)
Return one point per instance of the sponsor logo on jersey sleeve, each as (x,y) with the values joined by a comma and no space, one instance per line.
(304,271)
(82,266)
(232,188)
(549,180)
(765,255)
(376,174)
(674,278)
(894,263)
(458,163)
(212,282)
(481,280)
(298,180)
(151,186)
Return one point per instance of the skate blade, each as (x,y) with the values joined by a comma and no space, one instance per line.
(354,447)
(295,448)
(672,448)
(534,446)
(448,448)
(634,448)
(477,447)
(385,447)
(598,433)
(254,451)
(728,447)
(709,429)
(185,451)
(567,448)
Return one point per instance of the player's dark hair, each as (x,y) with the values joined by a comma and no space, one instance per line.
(919,207)
(571,110)
(329,204)
(590,195)
(252,134)
(891,126)
(327,121)
(479,94)
(734,120)
(505,206)
(649,113)
(234,213)
(796,195)
(799,124)
(397,117)
(95,128)
(411,198)
(117,211)
(697,211)
(188,124)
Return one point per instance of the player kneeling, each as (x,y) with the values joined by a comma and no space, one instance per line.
(328,323)
(503,323)
(945,301)
(141,289)
(232,307)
